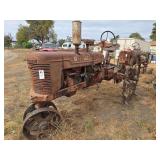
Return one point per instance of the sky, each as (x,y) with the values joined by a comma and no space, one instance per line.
(91,29)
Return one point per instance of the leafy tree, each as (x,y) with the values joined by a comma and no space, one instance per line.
(61,41)
(136,35)
(7,40)
(153,34)
(22,34)
(41,30)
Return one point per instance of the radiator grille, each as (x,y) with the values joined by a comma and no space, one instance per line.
(41,86)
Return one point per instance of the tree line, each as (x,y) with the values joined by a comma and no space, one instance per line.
(43,30)
(39,30)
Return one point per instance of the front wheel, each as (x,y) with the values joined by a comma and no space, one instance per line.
(41,123)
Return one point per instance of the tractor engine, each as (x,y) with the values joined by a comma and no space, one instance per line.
(61,73)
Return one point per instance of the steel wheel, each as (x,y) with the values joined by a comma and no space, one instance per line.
(28,110)
(32,107)
(41,123)
(130,83)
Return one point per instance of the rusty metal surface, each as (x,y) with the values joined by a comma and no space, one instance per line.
(69,58)
(124,57)
(130,63)
(41,86)
(63,69)
(53,65)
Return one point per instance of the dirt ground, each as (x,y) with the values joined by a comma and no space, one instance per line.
(90,114)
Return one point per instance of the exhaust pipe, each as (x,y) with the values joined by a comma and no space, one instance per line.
(76,35)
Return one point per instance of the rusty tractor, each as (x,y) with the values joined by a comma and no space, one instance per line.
(62,72)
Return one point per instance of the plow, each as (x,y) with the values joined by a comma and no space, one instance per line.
(62,72)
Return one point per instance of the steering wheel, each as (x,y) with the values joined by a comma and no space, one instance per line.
(136,45)
(106,32)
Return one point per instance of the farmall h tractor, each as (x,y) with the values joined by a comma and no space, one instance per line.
(62,72)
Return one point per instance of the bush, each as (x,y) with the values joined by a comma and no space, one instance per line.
(18,45)
(23,45)
(27,45)
(8,41)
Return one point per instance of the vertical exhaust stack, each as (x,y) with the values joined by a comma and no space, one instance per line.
(76,35)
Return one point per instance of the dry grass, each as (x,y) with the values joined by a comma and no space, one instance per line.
(90,114)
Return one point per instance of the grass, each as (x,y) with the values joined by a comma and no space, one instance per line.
(90,114)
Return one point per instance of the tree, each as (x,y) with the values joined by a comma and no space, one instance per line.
(52,36)
(61,41)
(7,40)
(153,34)
(22,34)
(136,35)
(41,30)
(68,39)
